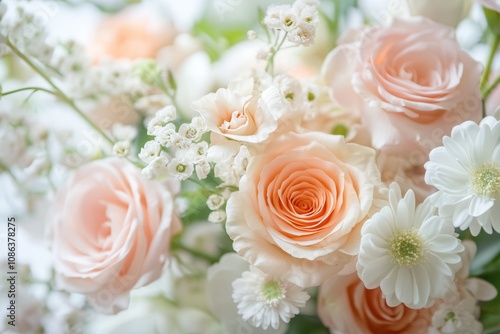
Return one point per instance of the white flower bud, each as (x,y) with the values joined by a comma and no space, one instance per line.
(122,148)
(156,168)
(274,15)
(162,117)
(215,201)
(252,35)
(302,34)
(190,132)
(202,169)
(217,216)
(150,151)
(166,135)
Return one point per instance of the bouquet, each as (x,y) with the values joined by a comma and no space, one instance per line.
(250,167)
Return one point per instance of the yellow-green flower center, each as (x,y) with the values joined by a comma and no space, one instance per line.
(407,248)
(486,180)
(273,291)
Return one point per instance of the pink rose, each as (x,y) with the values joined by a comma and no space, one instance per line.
(346,306)
(110,232)
(240,113)
(410,82)
(491,4)
(301,205)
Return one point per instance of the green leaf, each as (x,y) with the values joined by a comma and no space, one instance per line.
(490,311)
(491,323)
(171,80)
(493,19)
(306,324)
(487,256)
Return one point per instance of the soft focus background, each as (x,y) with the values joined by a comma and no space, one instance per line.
(204,43)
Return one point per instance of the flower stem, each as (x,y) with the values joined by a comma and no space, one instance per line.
(30,88)
(58,92)
(177,244)
(488,90)
(278,44)
(493,48)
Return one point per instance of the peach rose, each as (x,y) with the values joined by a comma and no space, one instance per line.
(241,114)
(134,33)
(410,82)
(301,205)
(110,232)
(346,306)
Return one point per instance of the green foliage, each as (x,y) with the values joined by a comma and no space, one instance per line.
(493,19)
(309,324)
(216,40)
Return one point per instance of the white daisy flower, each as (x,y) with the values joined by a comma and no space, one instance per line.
(263,300)
(466,171)
(410,253)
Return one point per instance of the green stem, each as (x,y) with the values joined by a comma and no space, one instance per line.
(204,185)
(60,93)
(278,45)
(176,244)
(30,88)
(493,48)
(336,20)
(488,90)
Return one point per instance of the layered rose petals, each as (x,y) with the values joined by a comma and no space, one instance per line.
(301,205)
(110,232)
(346,306)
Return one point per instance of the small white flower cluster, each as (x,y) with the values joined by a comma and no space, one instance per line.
(20,24)
(189,151)
(459,312)
(232,168)
(81,78)
(216,202)
(99,81)
(300,99)
(14,136)
(298,21)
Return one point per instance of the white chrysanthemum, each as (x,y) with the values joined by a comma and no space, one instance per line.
(263,300)
(410,253)
(466,171)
